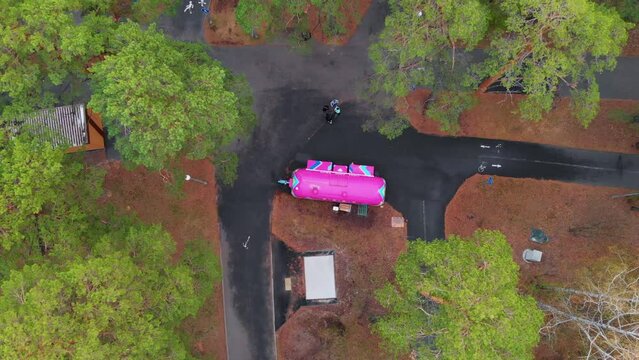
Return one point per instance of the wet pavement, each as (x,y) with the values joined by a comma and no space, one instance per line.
(422,172)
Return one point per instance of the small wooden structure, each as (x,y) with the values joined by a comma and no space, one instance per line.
(70,125)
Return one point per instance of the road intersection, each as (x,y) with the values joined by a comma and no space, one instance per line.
(423,172)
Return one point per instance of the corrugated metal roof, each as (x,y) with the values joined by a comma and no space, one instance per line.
(65,125)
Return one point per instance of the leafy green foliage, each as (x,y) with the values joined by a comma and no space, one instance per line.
(628,9)
(78,281)
(331,12)
(625,116)
(458,299)
(586,104)
(448,107)
(419,32)
(44,197)
(548,42)
(141,11)
(251,15)
(147,11)
(418,46)
(162,98)
(31,173)
(536,45)
(226,167)
(204,265)
(114,294)
(276,15)
(394,128)
(41,48)
(123,300)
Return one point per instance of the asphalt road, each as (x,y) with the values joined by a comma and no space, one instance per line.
(423,172)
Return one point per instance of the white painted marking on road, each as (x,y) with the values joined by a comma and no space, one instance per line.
(245,244)
(560,164)
(495,165)
(273,303)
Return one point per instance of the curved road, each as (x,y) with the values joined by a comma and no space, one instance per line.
(423,172)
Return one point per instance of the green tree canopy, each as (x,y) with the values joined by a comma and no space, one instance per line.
(121,300)
(42,47)
(254,15)
(548,42)
(628,9)
(141,11)
(419,47)
(419,34)
(458,299)
(44,196)
(161,98)
(536,45)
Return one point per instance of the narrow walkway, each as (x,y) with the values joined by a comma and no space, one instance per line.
(423,172)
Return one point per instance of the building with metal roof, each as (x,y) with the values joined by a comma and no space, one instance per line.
(66,126)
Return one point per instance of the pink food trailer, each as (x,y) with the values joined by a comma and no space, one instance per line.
(325,181)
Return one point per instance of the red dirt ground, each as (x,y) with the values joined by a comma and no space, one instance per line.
(632,47)
(365,252)
(496,117)
(583,222)
(222,29)
(195,216)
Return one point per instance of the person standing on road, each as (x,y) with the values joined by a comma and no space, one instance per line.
(332,111)
(329,114)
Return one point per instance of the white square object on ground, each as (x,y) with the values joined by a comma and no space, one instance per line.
(319,277)
(397,222)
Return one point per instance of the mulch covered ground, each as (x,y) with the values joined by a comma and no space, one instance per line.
(365,252)
(583,222)
(222,29)
(632,47)
(191,217)
(497,117)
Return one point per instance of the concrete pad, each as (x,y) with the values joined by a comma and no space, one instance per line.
(319,277)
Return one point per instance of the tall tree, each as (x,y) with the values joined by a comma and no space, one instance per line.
(545,43)
(121,300)
(628,9)
(458,299)
(161,98)
(254,15)
(44,48)
(603,306)
(141,11)
(417,35)
(43,196)
(419,47)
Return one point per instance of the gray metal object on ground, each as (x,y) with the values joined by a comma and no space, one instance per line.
(531,256)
